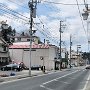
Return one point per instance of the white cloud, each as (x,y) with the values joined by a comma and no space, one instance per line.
(73,18)
(59,12)
(13,6)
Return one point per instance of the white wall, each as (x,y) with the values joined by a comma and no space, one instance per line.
(52,53)
(18,55)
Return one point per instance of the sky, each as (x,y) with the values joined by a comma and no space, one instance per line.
(49,13)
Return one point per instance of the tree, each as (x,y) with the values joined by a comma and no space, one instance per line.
(7,33)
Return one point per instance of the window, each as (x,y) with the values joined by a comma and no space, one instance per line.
(28,39)
(19,39)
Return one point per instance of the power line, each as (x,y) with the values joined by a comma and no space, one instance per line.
(43,32)
(13,15)
(81,17)
(48,33)
(48,36)
(86,5)
(84,2)
(18,4)
(17,16)
(4,6)
(27,8)
(62,3)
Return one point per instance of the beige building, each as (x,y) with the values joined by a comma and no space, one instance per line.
(19,52)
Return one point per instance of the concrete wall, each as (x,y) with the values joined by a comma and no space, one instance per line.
(23,55)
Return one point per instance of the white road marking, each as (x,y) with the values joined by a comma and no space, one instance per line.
(45,87)
(59,77)
(85,87)
(64,82)
(71,78)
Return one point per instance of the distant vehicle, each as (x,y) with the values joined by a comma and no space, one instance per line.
(36,67)
(88,67)
(14,67)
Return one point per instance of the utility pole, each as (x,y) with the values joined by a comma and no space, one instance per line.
(60,44)
(70,49)
(32,5)
(60,30)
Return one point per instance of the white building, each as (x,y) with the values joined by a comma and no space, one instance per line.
(19,52)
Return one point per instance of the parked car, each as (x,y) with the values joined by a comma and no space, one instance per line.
(36,67)
(15,67)
(88,67)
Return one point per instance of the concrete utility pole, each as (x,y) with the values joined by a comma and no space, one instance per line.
(60,30)
(70,49)
(60,44)
(32,5)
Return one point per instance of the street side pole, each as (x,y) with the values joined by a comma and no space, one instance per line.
(32,5)
(60,44)
(30,32)
(70,49)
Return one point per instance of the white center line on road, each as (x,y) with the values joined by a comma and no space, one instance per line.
(87,81)
(59,77)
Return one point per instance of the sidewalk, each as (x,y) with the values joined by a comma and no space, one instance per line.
(22,74)
(25,74)
(88,87)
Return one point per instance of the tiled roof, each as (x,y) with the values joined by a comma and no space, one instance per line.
(28,46)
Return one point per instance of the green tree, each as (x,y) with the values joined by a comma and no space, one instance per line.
(7,33)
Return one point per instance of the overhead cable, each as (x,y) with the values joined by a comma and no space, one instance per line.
(61,3)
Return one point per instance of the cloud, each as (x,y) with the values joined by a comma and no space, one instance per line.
(72,15)
(51,19)
(13,6)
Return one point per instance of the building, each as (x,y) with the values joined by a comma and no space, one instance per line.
(20,52)
(4,52)
(76,59)
(25,37)
(50,53)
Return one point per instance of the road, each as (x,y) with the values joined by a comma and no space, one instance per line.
(73,79)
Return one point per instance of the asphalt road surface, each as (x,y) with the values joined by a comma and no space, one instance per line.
(73,79)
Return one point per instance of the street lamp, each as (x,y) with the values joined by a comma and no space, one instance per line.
(85,15)
(86,12)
